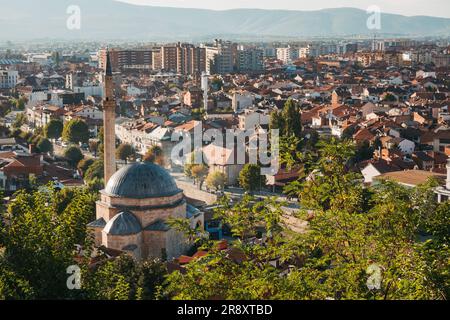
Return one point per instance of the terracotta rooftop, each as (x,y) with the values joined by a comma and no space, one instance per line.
(411,177)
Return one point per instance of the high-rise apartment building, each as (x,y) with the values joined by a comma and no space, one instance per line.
(441,60)
(157,59)
(169,58)
(183,58)
(221,57)
(191,59)
(127,58)
(8,79)
(250,60)
(288,54)
(270,52)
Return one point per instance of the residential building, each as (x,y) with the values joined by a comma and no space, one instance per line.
(221,57)
(288,54)
(183,58)
(8,79)
(250,61)
(241,100)
(127,58)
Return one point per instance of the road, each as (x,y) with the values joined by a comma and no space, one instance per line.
(58,150)
(234,192)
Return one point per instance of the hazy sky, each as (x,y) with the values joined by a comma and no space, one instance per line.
(438,8)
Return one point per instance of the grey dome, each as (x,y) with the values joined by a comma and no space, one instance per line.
(123,224)
(140,181)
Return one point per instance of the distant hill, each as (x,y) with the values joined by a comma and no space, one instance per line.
(109,19)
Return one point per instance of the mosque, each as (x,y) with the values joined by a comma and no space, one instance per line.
(138,200)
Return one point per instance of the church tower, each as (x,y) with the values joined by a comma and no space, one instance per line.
(109,117)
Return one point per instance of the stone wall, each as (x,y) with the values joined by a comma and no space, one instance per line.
(119,242)
(147,217)
(157,201)
(154,241)
(193,192)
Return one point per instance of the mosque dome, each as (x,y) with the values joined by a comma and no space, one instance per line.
(141,181)
(123,224)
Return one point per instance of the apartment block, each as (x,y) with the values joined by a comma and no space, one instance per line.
(8,79)
(127,59)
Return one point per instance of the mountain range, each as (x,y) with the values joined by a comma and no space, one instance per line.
(110,19)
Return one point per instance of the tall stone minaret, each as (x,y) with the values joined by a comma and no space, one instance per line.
(109,117)
(447,182)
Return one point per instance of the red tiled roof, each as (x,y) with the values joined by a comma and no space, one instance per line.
(200,254)
(185,259)
(222,245)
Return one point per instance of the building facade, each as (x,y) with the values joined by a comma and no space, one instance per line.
(126,58)
(8,79)
(250,61)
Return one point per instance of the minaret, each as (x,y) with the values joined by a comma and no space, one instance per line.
(447,182)
(109,117)
(205,87)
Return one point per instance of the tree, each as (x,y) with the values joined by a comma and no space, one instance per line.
(347,252)
(54,129)
(364,151)
(250,178)
(390,97)
(199,173)
(19,103)
(5,108)
(124,152)
(39,241)
(94,175)
(188,166)
(125,279)
(84,165)
(20,120)
(25,135)
(94,147)
(277,122)
(76,131)
(155,155)
(288,120)
(216,180)
(16,132)
(44,145)
(217,83)
(217,276)
(248,216)
(34,138)
(290,156)
(327,182)
(101,140)
(96,170)
(73,155)
(95,184)
(12,286)
(292,119)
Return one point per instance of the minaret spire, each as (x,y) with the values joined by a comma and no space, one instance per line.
(109,121)
(108,70)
